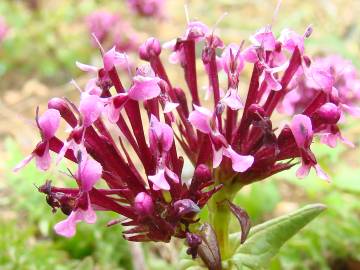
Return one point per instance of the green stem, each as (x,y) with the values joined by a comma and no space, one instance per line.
(220,215)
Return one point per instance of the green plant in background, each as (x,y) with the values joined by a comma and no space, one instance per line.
(27,240)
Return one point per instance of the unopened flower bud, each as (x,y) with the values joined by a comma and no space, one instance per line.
(150,48)
(308,31)
(202,175)
(328,113)
(143,204)
(193,241)
(186,206)
(255,112)
(64,110)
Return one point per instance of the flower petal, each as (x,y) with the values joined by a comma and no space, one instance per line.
(144,88)
(301,128)
(240,163)
(67,227)
(113,58)
(49,123)
(86,68)
(160,133)
(200,119)
(303,171)
(232,100)
(23,163)
(91,107)
(43,162)
(159,181)
(89,173)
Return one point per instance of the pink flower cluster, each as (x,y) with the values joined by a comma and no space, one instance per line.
(346,85)
(147,8)
(3,28)
(109,29)
(230,142)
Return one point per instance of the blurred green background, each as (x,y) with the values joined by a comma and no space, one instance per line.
(37,56)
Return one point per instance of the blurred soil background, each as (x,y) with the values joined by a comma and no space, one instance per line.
(37,62)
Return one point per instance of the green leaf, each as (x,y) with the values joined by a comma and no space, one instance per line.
(265,239)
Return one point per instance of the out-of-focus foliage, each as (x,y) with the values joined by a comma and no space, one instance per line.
(27,240)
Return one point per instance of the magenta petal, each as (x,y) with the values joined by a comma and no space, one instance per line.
(290,40)
(173,176)
(144,88)
(200,119)
(113,113)
(264,38)
(352,110)
(272,83)
(320,78)
(114,107)
(159,181)
(229,56)
(86,68)
(43,162)
(232,100)
(23,163)
(217,156)
(250,55)
(301,128)
(113,58)
(240,163)
(91,107)
(329,139)
(49,123)
(88,173)
(92,88)
(160,133)
(303,171)
(67,227)
(321,173)
(196,30)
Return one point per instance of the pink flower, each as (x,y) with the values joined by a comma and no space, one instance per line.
(144,88)
(141,169)
(91,107)
(301,128)
(160,135)
(108,29)
(48,124)
(3,28)
(147,8)
(89,173)
(67,227)
(290,40)
(232,99)
(113,58)
(264,38)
